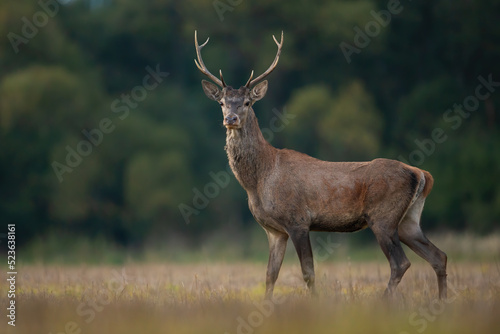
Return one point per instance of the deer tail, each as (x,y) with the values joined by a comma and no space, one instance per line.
(429,182)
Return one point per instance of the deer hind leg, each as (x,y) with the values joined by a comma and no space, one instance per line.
(277,248)
(388,240)
(302,243)
(411,235)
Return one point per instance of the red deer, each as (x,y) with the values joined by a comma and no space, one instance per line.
(291,193)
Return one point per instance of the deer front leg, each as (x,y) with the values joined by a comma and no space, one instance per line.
(277,248)
(302,245)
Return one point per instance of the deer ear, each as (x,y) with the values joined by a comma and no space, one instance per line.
(211,90)
(259,91)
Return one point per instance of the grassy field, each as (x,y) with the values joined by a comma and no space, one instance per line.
(223,298)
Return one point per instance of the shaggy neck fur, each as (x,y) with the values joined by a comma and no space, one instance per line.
(250,155)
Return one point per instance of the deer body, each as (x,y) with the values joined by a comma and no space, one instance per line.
(321,195)
(291,193)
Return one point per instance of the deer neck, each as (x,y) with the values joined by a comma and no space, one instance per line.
(250,155)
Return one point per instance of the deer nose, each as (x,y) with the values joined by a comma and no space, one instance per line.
(231,119)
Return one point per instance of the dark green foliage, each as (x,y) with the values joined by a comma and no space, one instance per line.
(90,68)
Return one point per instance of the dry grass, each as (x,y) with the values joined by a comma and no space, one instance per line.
(220,298)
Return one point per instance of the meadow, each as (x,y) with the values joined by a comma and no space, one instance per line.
(227,297)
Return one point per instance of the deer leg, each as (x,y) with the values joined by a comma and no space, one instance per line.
(302,245)
(389,242)
(277,247)
(411,235)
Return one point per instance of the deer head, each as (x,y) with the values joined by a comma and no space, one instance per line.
(235,103)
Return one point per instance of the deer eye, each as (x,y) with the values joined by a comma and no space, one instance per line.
(221,103)
(247,104)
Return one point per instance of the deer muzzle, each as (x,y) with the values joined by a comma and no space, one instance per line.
(231,121)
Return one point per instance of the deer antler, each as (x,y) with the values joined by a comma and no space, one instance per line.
(203,68)
(251,82)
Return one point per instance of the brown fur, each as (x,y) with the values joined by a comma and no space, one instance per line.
(291,193)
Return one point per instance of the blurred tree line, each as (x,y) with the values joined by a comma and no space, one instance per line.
(105,130)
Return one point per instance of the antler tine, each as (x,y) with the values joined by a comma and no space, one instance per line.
(249,79)
(222,78)
(271,68)
(201,65)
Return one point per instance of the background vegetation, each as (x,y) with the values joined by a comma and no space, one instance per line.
(89,57)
